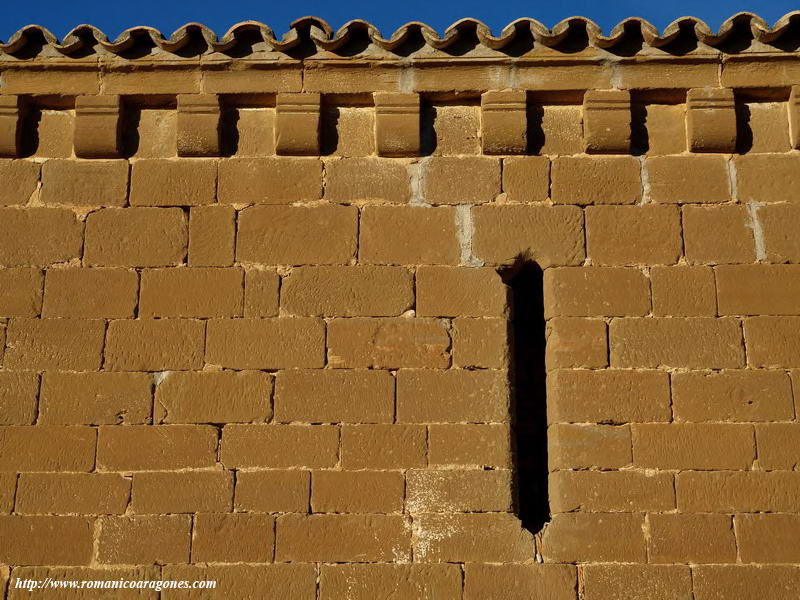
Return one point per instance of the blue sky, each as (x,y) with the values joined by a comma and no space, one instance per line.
(115,15)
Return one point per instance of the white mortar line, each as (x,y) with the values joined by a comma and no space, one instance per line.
(417,172)
(465,229)
(758,231)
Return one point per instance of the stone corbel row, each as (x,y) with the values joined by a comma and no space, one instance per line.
(710,123)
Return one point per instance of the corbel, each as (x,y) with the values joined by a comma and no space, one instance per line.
(198,125)
(607,121)
(396,124)
(97,126)
(297,123)
(11,117)
(794,116)
(504,122)
(711,120)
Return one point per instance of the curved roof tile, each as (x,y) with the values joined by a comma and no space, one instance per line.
(742,27)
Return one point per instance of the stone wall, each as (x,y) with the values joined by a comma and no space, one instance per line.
(345,320)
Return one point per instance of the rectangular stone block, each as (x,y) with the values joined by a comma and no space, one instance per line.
(585,446)
(20,177)
(362,291)
(387,343)
(212,236)
(688,179)
(408,235)
(608,396)
(199,292)
(144,540)
(220,538)
(274,180)
(596,180)
(209,397)
(677,538)
(85,183)
(595,537)
(135,237)
(672,342)
(745,582)
(90,293)
(595,292)
(470,445)
(156,447)
(368,581)
(611,491)
(342,538)
(72,493)
(526,179)
(297,235)
(460,292)
(351,180)
(778,445)
(693,446)
(47,448)
(383,446)
(718,234)
(481,343)
(18,398)
(155,345)
(548,235)
(732,395)
(637,582)
(462,490)
(758,289)
(652,235)
(272,491)
(452,396)
(173,182)
(767,178)
(59,344)
(265,446)
(334,396)
(737,491)
(43,540)
(683,291)
(22,292)
(477,537)
(357,491)
(520,582)
(266,343)
(768,538)
(95,398)
(39,236)
(182,492)
(296,581)
(772,341)
(575,343)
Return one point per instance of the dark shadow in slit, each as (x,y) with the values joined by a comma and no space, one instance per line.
(529,396)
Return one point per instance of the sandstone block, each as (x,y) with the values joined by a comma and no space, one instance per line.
(266,343)
(295,235)
(135,237)
(334,395)
(156,448)
(265,446)
(155,345)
